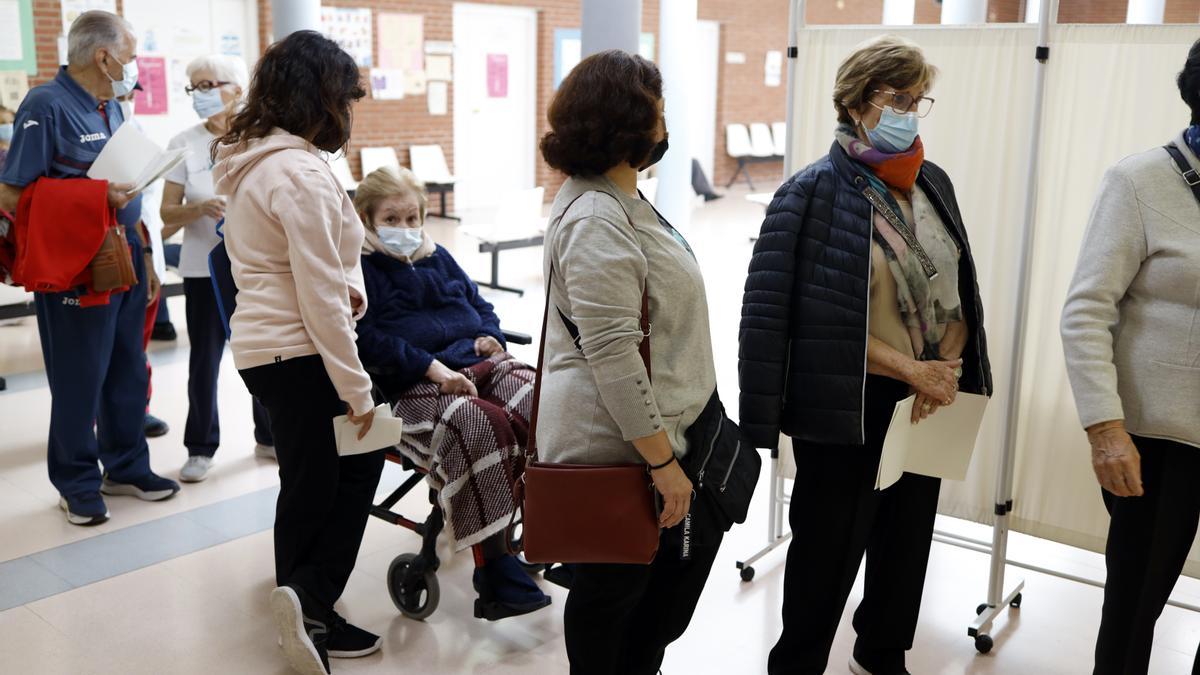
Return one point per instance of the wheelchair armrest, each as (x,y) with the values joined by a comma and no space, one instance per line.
(512,337)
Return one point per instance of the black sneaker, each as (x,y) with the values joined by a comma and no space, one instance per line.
(303,639)
(347,641)
(164,332)
(156,427)
(149,488)
(84,510)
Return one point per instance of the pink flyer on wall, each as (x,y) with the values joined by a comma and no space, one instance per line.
(152,75)
(497,75)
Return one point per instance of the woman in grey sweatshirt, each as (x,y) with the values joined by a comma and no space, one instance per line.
(605,246)
(1131,331)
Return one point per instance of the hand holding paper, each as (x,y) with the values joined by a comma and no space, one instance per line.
(385,432)
(940,446)
(130,157)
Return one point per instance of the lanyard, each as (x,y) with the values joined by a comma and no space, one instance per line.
(881,204)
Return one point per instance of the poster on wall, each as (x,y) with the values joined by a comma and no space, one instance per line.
(387,84)
(401,47)
(439,94)
(497,75)
(17,46)
(350,27)
(14,84)
(71,9)
(773,69)
(152,75)
(439,67)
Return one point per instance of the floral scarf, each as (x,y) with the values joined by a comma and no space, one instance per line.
(927,306)
(898,171)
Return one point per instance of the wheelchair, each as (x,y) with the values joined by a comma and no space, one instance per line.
(412,580)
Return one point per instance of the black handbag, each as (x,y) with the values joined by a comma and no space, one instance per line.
(724,467)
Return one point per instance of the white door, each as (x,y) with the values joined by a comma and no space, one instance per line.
(495,89)
(703,113)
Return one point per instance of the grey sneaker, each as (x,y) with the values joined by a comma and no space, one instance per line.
(265,452)
(195,469)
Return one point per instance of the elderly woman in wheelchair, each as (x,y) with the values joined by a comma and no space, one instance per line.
(435,349)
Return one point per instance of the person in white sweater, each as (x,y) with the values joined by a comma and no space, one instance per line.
(1131,331)
(294,242)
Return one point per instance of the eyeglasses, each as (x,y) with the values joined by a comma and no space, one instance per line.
(205,86)
(904,104)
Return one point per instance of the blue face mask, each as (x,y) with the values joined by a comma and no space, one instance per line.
(895,133)
(208,103)
(6,133)
(402,240)
(129,78)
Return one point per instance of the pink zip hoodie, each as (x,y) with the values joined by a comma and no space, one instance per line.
(295,242)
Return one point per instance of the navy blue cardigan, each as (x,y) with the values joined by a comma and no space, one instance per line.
(420,312)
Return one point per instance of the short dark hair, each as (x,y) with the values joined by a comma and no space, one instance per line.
(605,113)
(304,84)
(1189,81)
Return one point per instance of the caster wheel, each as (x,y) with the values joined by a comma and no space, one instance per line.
(415,594)
(1016,602)
(747,573)
(983,643)
(981,609)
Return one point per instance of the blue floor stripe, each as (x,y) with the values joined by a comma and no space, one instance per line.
(46,573)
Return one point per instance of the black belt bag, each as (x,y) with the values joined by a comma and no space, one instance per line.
(724,467)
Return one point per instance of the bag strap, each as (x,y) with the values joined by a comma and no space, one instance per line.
(1189,174)
(573,330)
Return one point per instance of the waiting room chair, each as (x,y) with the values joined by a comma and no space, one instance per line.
(761,142)
(379,158)
(779,134)
(740,144)
(429,164)
(341,170)
(518,224)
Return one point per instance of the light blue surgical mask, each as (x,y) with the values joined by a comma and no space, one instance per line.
(208,103)
(402,240)
(895,133)
(6,133)
(129,78)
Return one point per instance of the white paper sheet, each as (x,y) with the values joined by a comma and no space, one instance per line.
(438,95)
(131,157)
(940,446)
(385,432)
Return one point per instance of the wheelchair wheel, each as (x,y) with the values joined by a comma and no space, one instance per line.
(415,593)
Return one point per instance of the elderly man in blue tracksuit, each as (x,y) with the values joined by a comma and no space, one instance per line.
(94,358)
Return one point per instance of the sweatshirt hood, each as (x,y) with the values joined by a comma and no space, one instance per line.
(235,162)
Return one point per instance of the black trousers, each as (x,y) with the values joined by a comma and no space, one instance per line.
(835,518)
(1148,542)
(206,334)
(324,499)
(619,619)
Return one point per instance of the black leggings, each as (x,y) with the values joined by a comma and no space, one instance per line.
(324,499)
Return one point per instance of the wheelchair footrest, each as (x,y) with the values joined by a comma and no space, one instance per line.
(495,611)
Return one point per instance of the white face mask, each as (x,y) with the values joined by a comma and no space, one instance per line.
(208,103)
(129,77)
(402,240)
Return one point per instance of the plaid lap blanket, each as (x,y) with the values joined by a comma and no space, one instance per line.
(472,447)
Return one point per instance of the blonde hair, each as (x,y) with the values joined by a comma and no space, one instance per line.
(383,183)
(886,60)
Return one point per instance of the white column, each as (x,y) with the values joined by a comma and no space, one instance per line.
(611,24)
(1145,11)
(964,11)
(899,12)
(677,40)
(289,16)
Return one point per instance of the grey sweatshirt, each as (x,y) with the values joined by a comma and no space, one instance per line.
(1131,325)
(603,244)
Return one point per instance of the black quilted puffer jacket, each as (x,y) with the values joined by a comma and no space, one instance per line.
(803,339)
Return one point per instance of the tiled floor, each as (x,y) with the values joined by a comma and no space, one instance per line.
(193,597)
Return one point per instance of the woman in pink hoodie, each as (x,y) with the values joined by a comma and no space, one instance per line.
(294,241)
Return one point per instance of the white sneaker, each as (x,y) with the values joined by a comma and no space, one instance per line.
(196,469)
(265,452)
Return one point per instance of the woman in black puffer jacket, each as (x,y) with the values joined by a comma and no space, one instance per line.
(861,292)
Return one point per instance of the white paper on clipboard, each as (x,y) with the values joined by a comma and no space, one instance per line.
(131,157)
(940,446)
